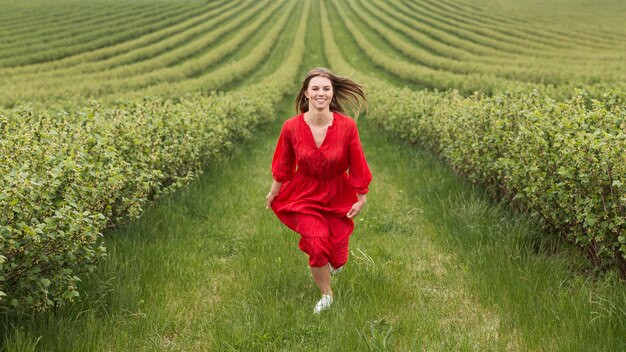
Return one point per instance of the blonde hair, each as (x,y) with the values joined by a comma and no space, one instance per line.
(346,93)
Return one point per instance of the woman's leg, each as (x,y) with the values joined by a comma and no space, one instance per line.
(321,276)
(318,250)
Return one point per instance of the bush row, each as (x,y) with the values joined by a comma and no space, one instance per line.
(562,161)
(68,176)
(142,48)
(502,41)
(549,73)
(465,83)
(78,40)
(145,73)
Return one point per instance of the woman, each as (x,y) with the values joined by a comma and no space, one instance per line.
(318,199)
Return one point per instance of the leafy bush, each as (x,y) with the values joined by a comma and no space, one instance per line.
(563,161)
(67,176)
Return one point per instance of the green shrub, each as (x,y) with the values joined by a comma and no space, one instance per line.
(562,161)
(66,177)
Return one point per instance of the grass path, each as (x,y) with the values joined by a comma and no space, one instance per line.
(434,266)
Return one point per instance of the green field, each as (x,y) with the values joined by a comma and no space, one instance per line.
(135,144)
(174,47)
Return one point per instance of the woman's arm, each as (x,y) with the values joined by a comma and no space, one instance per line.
(283,164)
(359,173)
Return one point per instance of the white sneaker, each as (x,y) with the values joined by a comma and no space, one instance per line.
(323,304)
(335,271)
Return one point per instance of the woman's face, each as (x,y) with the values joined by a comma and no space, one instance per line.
(319,92)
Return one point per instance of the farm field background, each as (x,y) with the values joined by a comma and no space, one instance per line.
(62,52)
(109,108)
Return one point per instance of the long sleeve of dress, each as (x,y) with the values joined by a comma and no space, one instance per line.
(359,172)
(284,160)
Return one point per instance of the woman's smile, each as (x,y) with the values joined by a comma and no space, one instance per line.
(321,100)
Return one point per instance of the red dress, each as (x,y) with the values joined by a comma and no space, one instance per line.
(317,192)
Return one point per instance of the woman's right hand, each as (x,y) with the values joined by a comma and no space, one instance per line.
(269,198)
(273,193)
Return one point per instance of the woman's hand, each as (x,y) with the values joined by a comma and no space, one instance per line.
(356,207)
(269,198)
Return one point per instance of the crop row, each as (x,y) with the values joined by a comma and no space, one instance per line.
(550,18)
(40,36)
(498,48)
(144,58)
(71,175)
(228,72)
(484,54)
(547,75)
(482,37)
(123,84)
(523,29)
(526,34)
(57,18)
(439,79)
(563,162)
(493,34)
(161,42)
(114,32)
(458,47)
(76,21)
(442,32)
(74,63)
(502,46)
(489,36)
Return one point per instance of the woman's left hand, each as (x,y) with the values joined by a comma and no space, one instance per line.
(356,207)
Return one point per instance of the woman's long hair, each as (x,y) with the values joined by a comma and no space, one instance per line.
(346,93)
